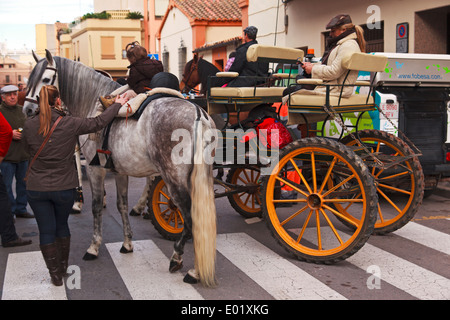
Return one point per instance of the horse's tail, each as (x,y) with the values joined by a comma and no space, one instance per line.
(203,208)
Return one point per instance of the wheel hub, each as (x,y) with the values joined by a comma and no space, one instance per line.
(314,201)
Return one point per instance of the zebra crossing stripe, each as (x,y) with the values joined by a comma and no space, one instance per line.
(426,236)
(146,276)
(411,278)
(279,277)
(27,278)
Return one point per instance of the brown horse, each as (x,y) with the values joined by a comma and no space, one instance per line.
(197,72)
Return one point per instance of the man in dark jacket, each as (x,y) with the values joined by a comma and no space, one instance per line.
(8,233)
(245,68)
(15,164)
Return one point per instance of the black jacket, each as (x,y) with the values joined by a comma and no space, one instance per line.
(245,68)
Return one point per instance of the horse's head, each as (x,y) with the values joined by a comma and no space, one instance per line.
(191,77)
(44,73)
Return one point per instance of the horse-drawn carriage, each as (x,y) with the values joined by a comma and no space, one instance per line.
(340,192)
(335,189)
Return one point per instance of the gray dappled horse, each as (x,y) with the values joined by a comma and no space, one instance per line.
(143,148)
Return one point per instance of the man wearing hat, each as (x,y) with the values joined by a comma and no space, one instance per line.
(8,232)
(242,66)
(15,163)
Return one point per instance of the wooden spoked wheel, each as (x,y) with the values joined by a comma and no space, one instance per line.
(247,203)
(400,188)
(164,215)
(328,173)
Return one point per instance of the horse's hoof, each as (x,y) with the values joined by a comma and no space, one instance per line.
(134,213)
(146,216)
(175,266)
(89,256)
(190,279)
(125,250)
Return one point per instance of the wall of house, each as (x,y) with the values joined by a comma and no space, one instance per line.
(45,38)
(175,32)
(263,15)
(219,33)
(87,42)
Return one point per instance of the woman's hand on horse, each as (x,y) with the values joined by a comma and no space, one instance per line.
(121,99)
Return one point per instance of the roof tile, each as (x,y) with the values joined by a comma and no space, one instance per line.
(211,10)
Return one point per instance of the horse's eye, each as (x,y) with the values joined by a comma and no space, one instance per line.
(46,80)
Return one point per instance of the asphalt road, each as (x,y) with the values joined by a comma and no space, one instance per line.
(414,262)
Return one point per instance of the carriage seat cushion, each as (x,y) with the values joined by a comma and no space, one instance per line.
(247,92)
(308,98)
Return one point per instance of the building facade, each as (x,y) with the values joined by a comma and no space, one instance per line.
(411,26)
(100,43)
(13,72)
(205,26)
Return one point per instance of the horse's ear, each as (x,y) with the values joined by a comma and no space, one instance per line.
(35,56)
(195,57)
(49,57)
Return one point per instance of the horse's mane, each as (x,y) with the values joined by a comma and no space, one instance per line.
(205,69)
(81,86)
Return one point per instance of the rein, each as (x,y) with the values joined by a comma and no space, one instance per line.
(186,85)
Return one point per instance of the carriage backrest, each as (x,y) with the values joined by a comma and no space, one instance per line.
(263,53)
(364,62)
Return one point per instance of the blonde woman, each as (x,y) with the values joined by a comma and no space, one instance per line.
(52,176)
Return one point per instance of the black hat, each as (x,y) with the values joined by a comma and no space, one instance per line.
(339,20)
(165,80)
(251,32)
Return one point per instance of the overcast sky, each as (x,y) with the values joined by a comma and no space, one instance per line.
(18,17)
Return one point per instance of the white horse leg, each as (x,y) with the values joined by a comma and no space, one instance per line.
(122,206)
(142,202)
(78,204)
(96,179)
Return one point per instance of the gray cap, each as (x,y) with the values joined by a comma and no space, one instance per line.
(251,32)
(9,88)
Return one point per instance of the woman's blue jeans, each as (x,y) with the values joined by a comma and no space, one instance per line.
(52,210)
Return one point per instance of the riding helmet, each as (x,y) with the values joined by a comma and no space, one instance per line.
(165,80)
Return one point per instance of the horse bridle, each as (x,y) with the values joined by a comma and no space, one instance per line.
(186,85)
(36,101)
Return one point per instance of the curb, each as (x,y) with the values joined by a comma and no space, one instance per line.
(443,188)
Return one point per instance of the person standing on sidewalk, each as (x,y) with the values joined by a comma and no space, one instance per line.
(15,163)
(8,232)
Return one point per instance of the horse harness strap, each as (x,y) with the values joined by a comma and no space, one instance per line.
(36,101)
(104,150)
(147,101)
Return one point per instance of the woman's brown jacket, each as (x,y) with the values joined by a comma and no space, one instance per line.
(54,168)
